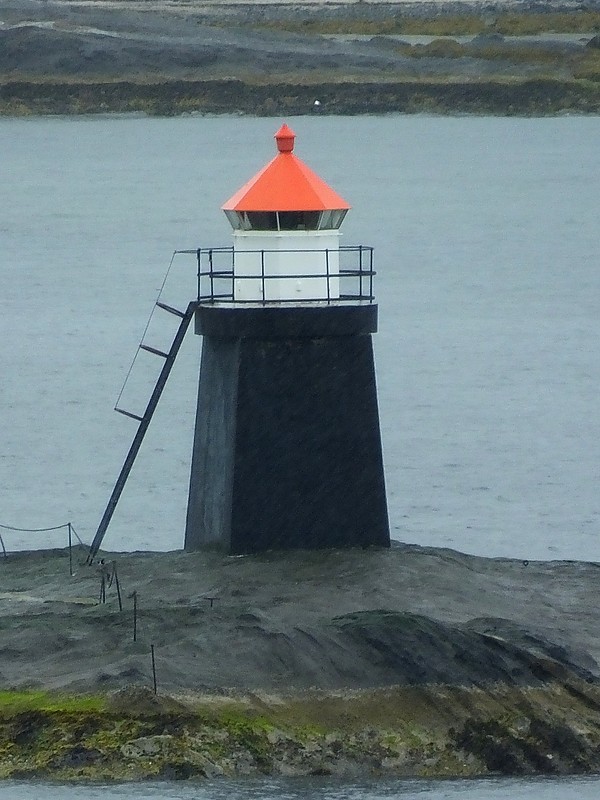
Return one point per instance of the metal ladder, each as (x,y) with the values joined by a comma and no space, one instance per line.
(144,420)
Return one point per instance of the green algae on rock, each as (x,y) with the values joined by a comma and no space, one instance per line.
(430,731)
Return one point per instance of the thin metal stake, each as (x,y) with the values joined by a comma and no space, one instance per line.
(134,595)
(153,668)
(70,551)
(118,585)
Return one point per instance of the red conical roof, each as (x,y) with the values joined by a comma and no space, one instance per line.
(285,184)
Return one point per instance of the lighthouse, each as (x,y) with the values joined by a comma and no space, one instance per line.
(287,446)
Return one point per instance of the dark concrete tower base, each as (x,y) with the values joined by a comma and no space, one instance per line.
(287,448)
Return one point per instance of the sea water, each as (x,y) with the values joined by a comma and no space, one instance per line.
(487,247)
(317,789)
(488,355)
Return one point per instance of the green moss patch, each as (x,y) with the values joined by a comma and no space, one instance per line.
(18,702)
(408,731)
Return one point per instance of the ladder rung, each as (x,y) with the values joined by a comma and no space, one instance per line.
(153,350)
(128,414)
(171,310)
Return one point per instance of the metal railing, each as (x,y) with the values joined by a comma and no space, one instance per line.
(349,280)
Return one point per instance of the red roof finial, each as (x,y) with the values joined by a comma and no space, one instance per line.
(285,139)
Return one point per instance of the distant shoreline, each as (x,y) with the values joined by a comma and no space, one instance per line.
(168,58)
(535,97)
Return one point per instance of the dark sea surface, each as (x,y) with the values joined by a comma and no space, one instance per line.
(487,242)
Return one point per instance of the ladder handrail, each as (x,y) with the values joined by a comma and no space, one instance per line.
(141,431)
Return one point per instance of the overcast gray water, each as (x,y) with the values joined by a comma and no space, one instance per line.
(323,789)
(488,356)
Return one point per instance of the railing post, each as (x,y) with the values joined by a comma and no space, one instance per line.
(211,275)
(328,276)
(371,275)
(199,262)
(360,271)
(233,274)
(262,276)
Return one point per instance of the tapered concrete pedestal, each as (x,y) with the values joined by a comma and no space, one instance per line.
(287,448)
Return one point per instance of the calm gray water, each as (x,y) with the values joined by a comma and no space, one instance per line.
(488,356)
(311,789)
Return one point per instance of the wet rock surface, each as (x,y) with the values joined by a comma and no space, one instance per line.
(329,619)
(408,661)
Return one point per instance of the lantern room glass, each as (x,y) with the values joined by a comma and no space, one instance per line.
(329,220)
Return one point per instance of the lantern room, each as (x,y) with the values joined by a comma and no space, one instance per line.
(286,232)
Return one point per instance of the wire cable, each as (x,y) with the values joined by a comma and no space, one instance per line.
(137,352)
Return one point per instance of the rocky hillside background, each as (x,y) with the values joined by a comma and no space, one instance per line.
(67,56)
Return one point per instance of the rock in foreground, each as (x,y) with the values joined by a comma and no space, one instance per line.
(327,620)
(411,661)
(399,731)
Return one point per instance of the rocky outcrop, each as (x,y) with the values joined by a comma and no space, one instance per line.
(409,661)
(397,731)
(330,620)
